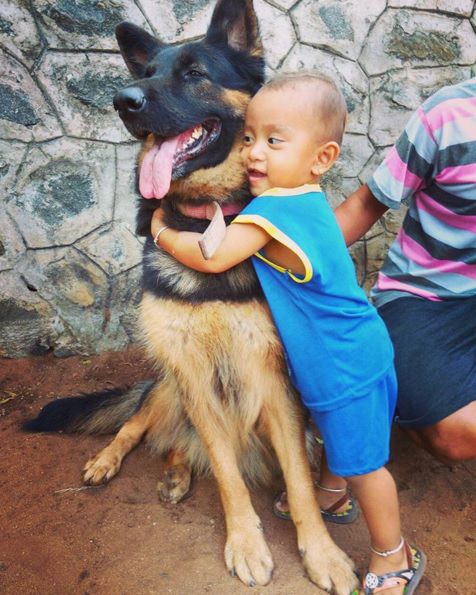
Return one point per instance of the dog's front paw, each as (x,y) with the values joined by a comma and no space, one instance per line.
(247,555)
(330,568)
(101,468)
(175,484)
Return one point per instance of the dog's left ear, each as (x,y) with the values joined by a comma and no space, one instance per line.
(234,22)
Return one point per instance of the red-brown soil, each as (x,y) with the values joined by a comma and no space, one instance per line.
(57,539)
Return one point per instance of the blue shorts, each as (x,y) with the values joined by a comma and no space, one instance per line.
(435,355)
(357,436)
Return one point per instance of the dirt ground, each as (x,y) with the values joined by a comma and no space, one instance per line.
(58,538)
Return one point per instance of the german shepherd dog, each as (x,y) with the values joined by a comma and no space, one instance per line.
(222,401)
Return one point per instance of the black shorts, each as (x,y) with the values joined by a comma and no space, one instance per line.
(435,357)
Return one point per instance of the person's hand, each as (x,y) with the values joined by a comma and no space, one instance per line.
(157,221)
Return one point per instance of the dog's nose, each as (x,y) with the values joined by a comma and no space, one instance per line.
(130,99)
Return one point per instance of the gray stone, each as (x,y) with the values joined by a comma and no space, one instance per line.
(82,87)
(277,32)
(65,277)
(286,4)
(393,219)
(377,247)
(179,20)
(125,206)
(115,250)
(356,151)
(337,188)
(396,95)
(11,157)
(25,319)
(413,38)
(348,76)
(79,292)
(425,4)
(357,253)
(64,190)
(11,243)
(369,168)
(85,24)
(459,7)
(24,113)
(340,26)
(18,32)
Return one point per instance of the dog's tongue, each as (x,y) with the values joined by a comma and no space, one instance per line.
(156,170)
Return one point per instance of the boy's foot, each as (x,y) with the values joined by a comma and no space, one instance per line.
(341,510)
(396,581)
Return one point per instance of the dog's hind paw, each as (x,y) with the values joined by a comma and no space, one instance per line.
(247,556)
(175,484)
(101,468)
(330,569)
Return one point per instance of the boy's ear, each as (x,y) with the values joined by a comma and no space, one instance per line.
(327,154)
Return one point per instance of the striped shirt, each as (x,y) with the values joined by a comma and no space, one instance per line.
(433,167)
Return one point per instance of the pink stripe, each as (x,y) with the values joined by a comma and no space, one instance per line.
(460,174)
(430,206)
(424,122)
(421,257)
(452,109)
(399,170)
(385,283)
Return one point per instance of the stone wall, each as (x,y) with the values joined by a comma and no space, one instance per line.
(69,259)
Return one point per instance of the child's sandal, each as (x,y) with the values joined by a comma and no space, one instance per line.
(344,517)
(410,577)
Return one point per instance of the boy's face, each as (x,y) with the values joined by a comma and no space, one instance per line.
(280,141)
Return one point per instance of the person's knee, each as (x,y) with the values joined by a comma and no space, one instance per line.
(444,449)
(446,442)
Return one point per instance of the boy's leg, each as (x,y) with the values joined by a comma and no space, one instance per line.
(377,496)
(329,481)
(394,565)
(357,438)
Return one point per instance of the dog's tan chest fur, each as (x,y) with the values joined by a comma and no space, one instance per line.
(178,331)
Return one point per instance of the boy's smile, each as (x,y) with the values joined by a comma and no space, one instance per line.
(255,175)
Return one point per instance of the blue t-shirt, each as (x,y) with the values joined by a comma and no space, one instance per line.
(335,342)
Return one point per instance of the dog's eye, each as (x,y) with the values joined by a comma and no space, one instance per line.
(193,73)
(149,71)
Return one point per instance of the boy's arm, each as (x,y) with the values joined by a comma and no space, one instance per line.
(241,241)
(358,213)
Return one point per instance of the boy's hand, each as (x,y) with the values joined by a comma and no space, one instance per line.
(157,221)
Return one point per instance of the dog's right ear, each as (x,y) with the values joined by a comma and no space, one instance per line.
(234,22)
(137,47)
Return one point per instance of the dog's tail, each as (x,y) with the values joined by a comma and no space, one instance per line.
(102,412)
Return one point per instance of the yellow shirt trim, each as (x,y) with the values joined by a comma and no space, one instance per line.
(281,237)
(304,189)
